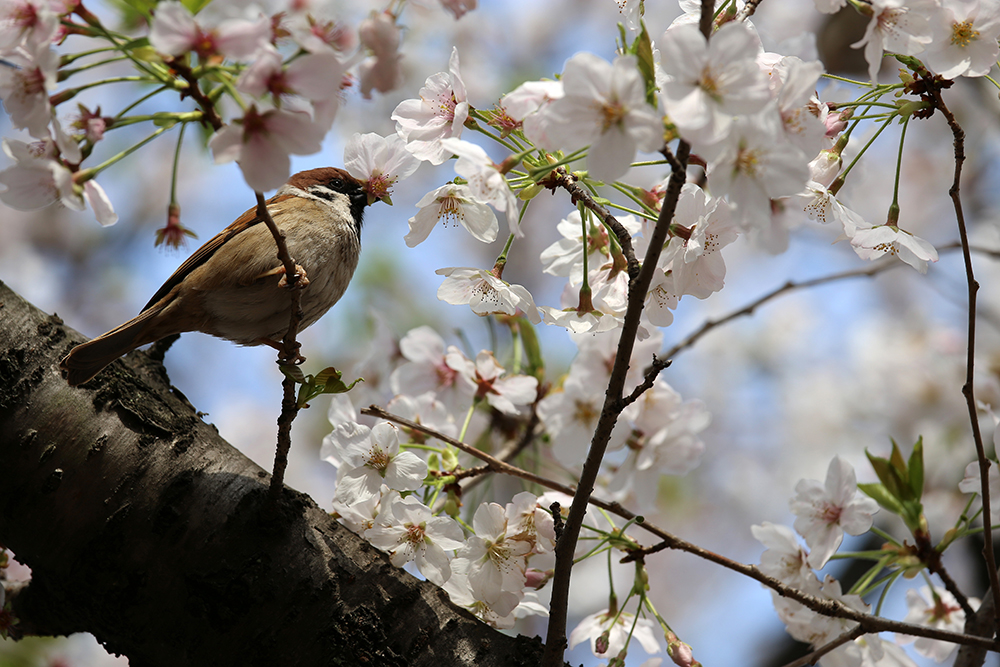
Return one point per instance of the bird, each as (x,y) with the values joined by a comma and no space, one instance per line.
(233,287)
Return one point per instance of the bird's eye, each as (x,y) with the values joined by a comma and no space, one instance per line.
(336,183)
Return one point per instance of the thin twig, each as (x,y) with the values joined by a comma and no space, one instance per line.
(555,642)
(561,178)
(288,354)
(934,90)
(832,608)
(814,656)
(194,91)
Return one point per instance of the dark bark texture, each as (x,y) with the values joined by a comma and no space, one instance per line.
(145,528)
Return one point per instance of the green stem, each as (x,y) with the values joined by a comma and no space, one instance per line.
(468,419)
(87,174)
(70,93)
(857,157)
(899,168)
(572,157)
(177,161)
(67,73)
(139,101)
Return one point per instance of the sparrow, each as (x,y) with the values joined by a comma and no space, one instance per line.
(233,287)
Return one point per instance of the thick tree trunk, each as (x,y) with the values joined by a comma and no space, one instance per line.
(145,528)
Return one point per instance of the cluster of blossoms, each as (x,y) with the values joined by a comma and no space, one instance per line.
(769,145)
(400,488)
(493,571)
(825,512)
(287,71)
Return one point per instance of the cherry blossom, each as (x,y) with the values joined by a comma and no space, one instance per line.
(174,32)
(262,142)
(754,166)
(793,83)
(826,511)
(823,207)
(314,76)
(936,608)
(529,522)
(663,441)
(407,530)
(495,562)
(455,204)
(370,458)
(616,627)
(873,242)
(25,89)
(965,37)
(570,416)
(440,112)
(426,368)
(39,178)
(807,626)
(425,410)
(662,298)
(382,70)
(321,36)
(486,181)
(710,81)
(378,162)
(900,26)
(785,559)
(485,293)
(485,378)
(565,256)
(499,613)
(971,484)
(696,263)
(523,103)
(28,22)
(604,106)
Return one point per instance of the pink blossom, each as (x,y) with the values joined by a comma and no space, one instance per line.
(825,512)
(440,112)
(262,142)
(174,32)
(378,162)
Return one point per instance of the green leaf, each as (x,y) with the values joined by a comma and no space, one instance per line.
(293,373)
(883,497)
(896,459)
(886,474)
(532,349)
(916,468)
(642,49)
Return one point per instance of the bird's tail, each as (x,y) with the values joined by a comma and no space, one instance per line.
(87,360)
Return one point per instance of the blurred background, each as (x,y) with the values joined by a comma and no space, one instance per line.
(831,370)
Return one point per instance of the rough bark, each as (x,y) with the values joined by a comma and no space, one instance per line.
(145,528)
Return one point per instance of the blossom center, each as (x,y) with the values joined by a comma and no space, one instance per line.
(747,161)
(963,34)
(708,83)
(445,106)
(379,185)
(831,514)
(450,210)
(378,459)
(584,413)
(415,533)
(32,82)
(612,114)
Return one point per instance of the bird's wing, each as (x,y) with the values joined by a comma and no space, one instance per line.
(202,254)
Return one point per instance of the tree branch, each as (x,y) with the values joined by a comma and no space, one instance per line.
(142,526)
(868,623)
